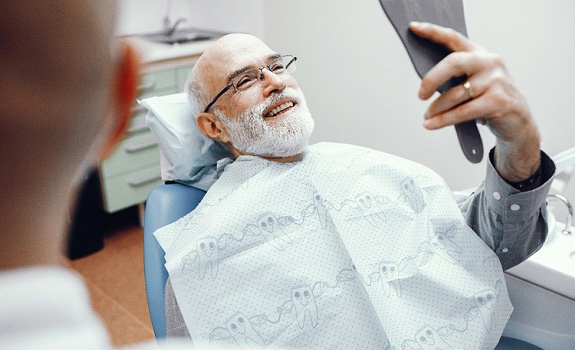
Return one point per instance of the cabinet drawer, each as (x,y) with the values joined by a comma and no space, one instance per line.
(132,188)
(138,123)
(157,81)
(182,74)
(133,169)
(135,151)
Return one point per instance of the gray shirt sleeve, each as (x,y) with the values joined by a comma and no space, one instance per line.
(511,222)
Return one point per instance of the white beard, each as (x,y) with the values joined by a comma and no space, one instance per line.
(251,134)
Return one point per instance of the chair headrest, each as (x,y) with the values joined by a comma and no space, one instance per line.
(186,155)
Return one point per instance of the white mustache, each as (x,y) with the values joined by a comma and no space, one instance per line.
(287,93)
(252,134)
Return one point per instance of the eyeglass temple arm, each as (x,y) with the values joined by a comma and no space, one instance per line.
(294,58)
(217,96)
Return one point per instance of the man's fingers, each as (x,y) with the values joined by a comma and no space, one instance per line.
(465,59)
(447,37)
(473,109)
(456,96)
(454,65)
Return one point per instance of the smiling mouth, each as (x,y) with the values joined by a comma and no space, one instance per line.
(280,109)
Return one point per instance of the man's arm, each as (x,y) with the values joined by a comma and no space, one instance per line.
(508,211)
(489,96)
(511,221)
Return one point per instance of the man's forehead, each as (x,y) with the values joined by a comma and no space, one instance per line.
(237,45)
(249,55)
(234,52)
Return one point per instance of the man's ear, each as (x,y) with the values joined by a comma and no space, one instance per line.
(124,91)
(211,126)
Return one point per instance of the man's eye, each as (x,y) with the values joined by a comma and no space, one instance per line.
(245,81)
(277,67)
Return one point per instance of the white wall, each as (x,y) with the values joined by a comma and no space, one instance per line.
(362,89)
(147,16)
(359,82)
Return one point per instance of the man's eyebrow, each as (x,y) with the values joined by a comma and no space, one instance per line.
(241,70)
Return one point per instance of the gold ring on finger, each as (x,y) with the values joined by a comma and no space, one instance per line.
(468,89)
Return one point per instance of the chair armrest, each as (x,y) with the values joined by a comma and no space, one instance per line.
(165,204)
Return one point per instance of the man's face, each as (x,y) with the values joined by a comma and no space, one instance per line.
(268,119)
(286,136)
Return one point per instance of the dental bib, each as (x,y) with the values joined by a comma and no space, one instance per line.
(348,248)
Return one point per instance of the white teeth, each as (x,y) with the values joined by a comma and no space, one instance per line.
(279,109)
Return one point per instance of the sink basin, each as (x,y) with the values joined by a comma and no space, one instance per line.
(182,36)
(542,290)
(553,266)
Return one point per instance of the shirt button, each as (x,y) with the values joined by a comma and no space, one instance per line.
(497,195)
(504,250)
(515,207)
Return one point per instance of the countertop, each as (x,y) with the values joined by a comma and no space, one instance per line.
(151,52)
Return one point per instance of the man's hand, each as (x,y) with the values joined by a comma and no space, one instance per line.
(490,97)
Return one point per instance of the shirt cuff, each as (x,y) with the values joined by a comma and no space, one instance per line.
(510,202)
(514,207)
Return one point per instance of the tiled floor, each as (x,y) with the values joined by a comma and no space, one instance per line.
(115,277)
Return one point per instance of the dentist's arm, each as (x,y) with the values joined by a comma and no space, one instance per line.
(491,97)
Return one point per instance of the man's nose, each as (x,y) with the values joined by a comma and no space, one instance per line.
(271,82)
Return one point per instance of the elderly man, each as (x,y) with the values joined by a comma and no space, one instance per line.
(339,246)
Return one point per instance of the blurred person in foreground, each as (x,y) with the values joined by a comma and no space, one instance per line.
(66,91)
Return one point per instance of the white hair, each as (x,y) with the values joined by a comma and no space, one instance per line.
(196,93)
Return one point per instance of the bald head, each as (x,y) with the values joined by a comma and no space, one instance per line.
(53,47)
(222,52)
(209,74)
(59,82)
(55,66)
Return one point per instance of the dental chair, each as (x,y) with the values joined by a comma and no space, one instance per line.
(187,161)
(165,204)
(169,202)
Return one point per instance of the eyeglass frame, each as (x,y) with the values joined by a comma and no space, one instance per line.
(224,90)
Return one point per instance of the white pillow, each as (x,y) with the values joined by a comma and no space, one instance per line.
(186,155)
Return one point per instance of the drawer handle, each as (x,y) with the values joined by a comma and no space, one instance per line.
(144,180)
(138,128)
(147,86)
(141,146)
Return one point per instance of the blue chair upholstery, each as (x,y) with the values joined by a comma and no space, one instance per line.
(165,204)
(507,343)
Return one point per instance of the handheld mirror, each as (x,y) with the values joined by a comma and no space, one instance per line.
(425,54)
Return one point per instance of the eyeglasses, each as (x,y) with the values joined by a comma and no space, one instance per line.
(246,79)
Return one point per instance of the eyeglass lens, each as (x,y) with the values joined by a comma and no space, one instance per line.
(277,66)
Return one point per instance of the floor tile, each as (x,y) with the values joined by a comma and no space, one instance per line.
(115,277)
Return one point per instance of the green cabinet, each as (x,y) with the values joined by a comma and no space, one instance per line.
(133,169)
